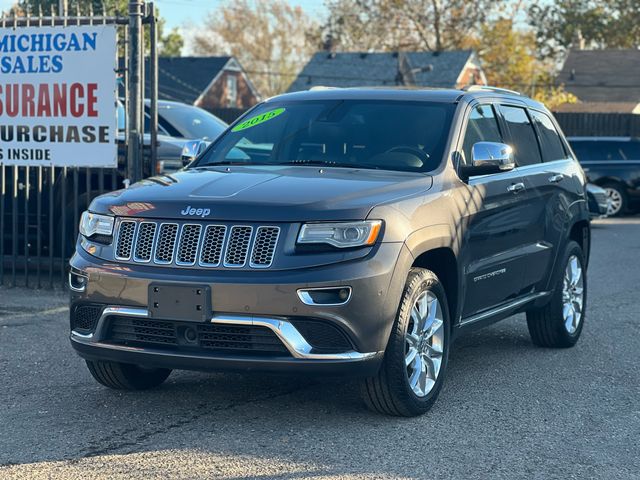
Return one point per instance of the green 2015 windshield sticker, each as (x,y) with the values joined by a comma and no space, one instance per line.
(258,119)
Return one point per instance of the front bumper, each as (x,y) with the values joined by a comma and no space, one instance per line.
(267,299)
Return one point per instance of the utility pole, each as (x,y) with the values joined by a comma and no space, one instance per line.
(63,8)
(134,90)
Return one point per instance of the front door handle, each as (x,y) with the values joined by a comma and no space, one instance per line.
(556,178)
(516,187)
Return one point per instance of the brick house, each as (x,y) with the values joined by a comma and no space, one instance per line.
(211,83)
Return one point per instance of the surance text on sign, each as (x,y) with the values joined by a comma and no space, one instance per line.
(58,96)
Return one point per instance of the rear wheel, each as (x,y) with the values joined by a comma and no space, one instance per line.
(415,361)
(559,323)
(617,199)
(124,376)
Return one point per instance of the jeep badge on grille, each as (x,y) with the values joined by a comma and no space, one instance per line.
(189,211)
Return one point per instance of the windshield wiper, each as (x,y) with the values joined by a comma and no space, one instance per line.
(226,163)
(324,163)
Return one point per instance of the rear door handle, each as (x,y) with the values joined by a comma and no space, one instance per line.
(516,187)
(556,178)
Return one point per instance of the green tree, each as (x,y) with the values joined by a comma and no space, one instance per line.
(595,23)
(169,43)
(509,59)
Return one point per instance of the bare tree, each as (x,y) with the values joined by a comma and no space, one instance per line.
(270,38)
(433,25)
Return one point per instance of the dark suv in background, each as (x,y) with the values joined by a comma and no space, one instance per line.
(612,163)
(339,231)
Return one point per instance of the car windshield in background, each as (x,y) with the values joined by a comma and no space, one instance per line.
(388,135)
(189,122)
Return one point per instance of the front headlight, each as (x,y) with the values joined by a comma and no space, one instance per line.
(341,234)
(94,224)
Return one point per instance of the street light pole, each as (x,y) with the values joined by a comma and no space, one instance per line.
(134,90)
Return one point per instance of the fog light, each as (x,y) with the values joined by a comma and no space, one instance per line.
(77,281)
(326,296)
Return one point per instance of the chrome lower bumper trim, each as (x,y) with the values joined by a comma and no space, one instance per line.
(286,332)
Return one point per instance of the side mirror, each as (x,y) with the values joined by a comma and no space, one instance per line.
(191,150)
(489,157)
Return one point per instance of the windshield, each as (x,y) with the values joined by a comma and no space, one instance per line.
(189,122)
(388,135)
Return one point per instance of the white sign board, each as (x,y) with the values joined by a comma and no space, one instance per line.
(58,96)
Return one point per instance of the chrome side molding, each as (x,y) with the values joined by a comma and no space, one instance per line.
(503,308)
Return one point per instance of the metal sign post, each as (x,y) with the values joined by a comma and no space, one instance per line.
(136,142)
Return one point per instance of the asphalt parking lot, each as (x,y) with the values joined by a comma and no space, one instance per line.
(508,409)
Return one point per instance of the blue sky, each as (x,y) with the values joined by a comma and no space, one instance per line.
(182,12)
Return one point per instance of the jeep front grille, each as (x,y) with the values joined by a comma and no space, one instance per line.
(196,244)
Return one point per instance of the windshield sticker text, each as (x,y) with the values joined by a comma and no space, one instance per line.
(258,119)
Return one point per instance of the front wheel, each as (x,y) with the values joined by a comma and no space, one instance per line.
(415,361)
(559,323)
(124,376)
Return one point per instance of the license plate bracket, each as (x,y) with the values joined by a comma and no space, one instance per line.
(180,302)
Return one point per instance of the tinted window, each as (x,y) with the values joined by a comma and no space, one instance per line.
(389,135)
(550,142)
(189,122)
(630,150)
(481,127)
(605,150)
(583,150)
(523,137)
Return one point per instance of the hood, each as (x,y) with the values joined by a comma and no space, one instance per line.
(274,193)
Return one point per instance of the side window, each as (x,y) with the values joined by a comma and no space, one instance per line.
(523,137)
(550,142)
(481,127)
(631,150)
(583,150)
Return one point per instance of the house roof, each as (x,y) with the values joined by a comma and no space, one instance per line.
(430,69)
(599,107)
(602,75)
(184,79)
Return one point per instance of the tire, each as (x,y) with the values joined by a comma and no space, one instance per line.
(124,376)
(548,325)
(618,200)
(390,391)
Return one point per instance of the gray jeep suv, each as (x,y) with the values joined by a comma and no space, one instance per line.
(339,231)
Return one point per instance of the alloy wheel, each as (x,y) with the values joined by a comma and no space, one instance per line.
(424,343)
(572,294)
(615,201)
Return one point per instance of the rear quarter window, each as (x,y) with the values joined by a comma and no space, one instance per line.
(522,136)
(550,143)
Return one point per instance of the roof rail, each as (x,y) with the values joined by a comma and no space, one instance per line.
(322,87)
(487,88)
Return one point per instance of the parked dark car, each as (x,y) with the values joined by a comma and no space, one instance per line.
(177,122)
(598,201)
(612,163)
(51,231)
(343,231)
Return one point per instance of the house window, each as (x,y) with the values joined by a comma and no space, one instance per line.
(232,90)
